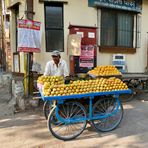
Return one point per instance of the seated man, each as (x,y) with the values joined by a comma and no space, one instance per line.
(57,66)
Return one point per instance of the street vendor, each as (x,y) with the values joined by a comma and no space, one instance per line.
(57,66)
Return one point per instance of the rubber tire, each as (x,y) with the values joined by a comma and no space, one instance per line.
(49,122)
(112,127)
(127,97)
(46,109)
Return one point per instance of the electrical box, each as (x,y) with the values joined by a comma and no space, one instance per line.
(87,59)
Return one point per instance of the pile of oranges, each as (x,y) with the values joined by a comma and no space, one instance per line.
(50,80)
(87,86)
(54,85)
(108,70)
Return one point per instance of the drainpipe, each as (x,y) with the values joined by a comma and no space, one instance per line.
(29,12)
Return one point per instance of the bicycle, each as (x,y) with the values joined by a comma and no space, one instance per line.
(136,85)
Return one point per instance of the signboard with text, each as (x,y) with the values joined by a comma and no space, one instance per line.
(131,5)
(29,36)
(86,62)
(87,56)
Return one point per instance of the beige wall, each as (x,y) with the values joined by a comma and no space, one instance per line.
(13,30)
(135,62)
(77,12)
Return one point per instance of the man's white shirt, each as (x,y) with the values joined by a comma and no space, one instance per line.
(52,70)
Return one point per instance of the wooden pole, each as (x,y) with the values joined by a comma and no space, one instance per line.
(28,56)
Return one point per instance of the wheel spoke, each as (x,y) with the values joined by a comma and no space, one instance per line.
(113,119)
(60,112)
(60,128)
(64,111)
(67,130)
(71,111)
(74,111)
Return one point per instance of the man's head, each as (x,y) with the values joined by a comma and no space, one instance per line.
(56,56)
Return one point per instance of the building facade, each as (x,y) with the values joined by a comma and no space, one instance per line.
(121,28)
(5,50)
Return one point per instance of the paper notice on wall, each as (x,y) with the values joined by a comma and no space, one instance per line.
(86,61)
(74,44)
(87,50)
(80,33)
(29,36)
(91,35)
(87,56)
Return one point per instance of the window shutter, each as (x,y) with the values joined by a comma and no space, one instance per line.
(138,31)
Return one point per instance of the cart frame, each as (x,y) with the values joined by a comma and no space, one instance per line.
(90,116)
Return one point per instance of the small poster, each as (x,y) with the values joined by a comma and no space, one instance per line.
(16,62)
(81,34)
(91,35)
(87,56)
(86,61)
(87,50)
(74,44)
(29,36)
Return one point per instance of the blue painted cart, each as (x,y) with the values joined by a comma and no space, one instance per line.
(68,117)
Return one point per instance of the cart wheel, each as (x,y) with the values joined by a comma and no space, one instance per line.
(46,109)
(112,109)
(71,120)
(127,97)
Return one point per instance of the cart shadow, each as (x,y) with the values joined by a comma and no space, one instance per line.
(89,133)
(134,122)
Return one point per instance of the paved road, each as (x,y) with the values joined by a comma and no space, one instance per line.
(29,130)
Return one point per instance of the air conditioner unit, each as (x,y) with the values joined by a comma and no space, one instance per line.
(118,57)
(118,60)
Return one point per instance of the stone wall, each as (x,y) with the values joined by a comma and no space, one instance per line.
(7,101)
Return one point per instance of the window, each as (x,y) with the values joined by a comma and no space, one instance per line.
(117,28)
(54,26)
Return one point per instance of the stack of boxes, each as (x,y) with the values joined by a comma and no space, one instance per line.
(119,61)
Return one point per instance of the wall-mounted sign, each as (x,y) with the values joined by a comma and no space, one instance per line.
(29,36)
(74,44)
(86,62)
(16,62)
(87,56)
(80,33)
(131,5)
(91,35)
(87,50)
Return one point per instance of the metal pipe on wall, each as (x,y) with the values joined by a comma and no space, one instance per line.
(28,56)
